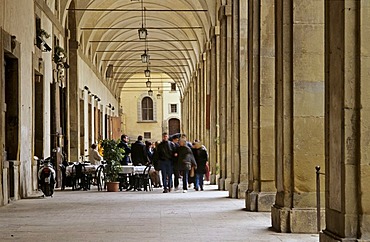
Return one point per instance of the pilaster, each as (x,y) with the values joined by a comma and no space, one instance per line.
(347,200)
(261,190)
(213,102)
(299,107)
(223,101)
(244,101)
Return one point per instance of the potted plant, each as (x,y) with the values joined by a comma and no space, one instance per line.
(112,155)
(59,54)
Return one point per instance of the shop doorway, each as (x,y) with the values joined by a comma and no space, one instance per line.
(173,126)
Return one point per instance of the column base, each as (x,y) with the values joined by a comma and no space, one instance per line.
(326,236)
(294,220)
(221,184)
(280,219)
(242,189)
(228,184)
(233,192)
(213,179)
(259,201)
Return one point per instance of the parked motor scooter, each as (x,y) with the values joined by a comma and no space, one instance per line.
(46,177)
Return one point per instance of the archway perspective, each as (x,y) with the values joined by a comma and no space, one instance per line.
(271,88)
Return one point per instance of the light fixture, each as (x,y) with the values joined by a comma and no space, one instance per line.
(143,32)
(150,92)
(145,57)
(147,72)
(149,84)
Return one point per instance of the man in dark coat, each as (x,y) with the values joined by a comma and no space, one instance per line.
(124,145)
(164,155)
(139,155)
(176,166)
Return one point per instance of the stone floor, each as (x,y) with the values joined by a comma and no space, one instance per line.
(137,216)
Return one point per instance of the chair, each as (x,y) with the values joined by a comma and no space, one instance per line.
(100,178)
(79,178)
(146,179)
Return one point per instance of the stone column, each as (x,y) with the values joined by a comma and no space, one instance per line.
(103,109)
(347,103)
(261,190)
(92,120)
(213,99)
(235,100)
(86,122)
(243,76)
(229,63)
(299,113)
(73,100)
(223,101)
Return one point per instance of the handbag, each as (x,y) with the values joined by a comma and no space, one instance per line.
(192,172)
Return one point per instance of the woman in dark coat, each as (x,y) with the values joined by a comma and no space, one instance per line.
(186,161)
(201,157)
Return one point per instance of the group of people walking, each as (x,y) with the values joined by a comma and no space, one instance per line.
(174,158)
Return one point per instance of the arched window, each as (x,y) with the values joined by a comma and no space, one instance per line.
(147,109)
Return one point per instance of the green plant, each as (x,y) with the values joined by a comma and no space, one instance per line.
(112,155)
(59,54)
(43,33)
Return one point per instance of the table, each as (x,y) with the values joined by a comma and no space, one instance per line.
(88,169)
(134,170)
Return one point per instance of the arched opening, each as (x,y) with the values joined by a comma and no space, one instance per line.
(173,126)
(147,109)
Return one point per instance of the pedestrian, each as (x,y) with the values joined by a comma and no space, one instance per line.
(176,166)
(157,166)
(201,157)
(124,145)
(139,155)
(164,155)
(186,161)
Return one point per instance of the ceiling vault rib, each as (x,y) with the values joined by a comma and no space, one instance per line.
(140,41)
(135,28)
(151,50)
(134,10)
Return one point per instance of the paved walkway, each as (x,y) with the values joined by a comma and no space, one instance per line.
(137,216)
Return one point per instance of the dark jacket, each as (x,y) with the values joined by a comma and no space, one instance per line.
(186,158)
(126,158)
(176,165)
(164,151)
(201,157)
(139,154)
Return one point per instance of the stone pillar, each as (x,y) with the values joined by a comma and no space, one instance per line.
(229,62)
(243,76)
(223,100)
(103,109)
(213,102)
(73,132)
(347,103)
(235,100)
(261,190)
(299,108)
(86,122)
(92,120)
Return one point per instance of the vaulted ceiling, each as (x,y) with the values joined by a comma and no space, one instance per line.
(178,31)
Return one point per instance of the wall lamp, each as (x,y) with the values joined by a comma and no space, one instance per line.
(149,84)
